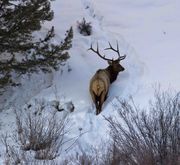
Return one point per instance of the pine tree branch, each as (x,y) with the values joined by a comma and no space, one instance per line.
(18,21)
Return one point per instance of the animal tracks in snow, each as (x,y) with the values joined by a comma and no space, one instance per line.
(91,11)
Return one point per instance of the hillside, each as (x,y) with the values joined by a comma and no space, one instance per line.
(147,32)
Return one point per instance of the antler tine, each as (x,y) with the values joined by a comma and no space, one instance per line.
(90,47)
(122,57)
(98,48)
(116,50)
(110,47)
(97,52)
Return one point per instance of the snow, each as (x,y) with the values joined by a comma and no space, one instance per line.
(147,32)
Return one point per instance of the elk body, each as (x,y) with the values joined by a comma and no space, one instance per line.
(100,82)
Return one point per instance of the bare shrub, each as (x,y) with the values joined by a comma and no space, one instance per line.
(42,134)
(16,156)
(39,138)
(13,156)
(82,159)
(146,137)
(84,27)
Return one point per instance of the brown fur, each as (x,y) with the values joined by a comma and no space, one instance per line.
(99,86)
(100,82)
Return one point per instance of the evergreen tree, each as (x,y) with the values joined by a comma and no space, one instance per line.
(20,50)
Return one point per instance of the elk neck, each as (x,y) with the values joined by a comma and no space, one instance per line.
(112,73)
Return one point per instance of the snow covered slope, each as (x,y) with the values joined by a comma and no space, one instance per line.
(74,85)
(152,28)
(147,32)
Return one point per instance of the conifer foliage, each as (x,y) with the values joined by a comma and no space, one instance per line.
(85,28)
(20,50)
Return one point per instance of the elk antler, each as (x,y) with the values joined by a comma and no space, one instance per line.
(97,52)
(117,51)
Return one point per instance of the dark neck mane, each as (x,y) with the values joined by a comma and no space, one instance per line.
(113,74)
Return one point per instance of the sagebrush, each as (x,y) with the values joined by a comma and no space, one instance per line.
(150,137)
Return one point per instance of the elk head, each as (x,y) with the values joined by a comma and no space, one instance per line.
(100,82)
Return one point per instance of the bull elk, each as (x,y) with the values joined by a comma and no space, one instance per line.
(100,82)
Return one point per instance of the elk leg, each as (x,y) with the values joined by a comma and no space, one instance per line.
(93,96)
(97,107)
(98,101)
(102,99)
(95,100)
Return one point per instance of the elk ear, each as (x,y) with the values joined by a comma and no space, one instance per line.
(109,62)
